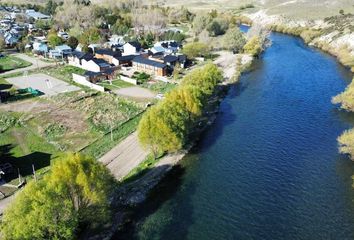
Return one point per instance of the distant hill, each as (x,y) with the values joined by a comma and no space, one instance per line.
(301,9)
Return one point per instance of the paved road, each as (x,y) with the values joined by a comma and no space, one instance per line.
(123,158)
(36,63)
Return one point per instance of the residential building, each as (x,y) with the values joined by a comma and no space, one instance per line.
(40,47)
(108,55)
(63,49)
(149,66)
(36,15)
(131,48)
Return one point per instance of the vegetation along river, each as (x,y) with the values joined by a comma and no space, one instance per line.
(269,167)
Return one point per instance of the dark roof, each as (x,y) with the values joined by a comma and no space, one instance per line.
(108,52)
(109,71)
(169,44)
(146,61)
(126,58)
(82,55)
(92,74)
(101,62)
(170,58)
(136,44)
(182,58)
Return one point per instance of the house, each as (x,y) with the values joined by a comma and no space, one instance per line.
(167,47)
(40,47)
(172,60)
(31,13)
(108,55)
(149,66)
(55,54)
(88,62)
(76,58)
(124,60)
(11,39)
(132,48)
(63,35)
(64,49)
(94,77)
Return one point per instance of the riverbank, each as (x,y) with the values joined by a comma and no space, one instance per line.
(260,172)
(133,193)
(333,35)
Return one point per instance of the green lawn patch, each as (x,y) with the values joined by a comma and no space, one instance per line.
(104,144)
(62,72)
(116,84)
(159,87)
(10,63)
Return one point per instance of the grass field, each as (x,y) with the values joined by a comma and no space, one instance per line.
(9,63)
(37,130)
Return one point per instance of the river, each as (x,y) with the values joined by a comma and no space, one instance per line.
(269,167)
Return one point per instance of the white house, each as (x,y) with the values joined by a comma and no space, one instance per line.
(40,47)
(63,49)
(168,47)
(131,48)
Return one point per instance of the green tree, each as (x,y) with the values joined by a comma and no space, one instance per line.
(72,196)
(253,46)
(196,49)
(234,40)
(54,40)
(155,133)
(92,35)
(72,42)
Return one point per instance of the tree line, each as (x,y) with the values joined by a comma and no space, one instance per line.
(166,127)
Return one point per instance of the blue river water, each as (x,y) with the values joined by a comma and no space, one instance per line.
(269,167)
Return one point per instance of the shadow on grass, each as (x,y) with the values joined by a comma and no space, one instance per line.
(22,164)
(5,86)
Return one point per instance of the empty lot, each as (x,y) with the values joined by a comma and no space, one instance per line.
(48,85)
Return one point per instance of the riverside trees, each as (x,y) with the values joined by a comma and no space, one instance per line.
(166,126)
(346,100)
(72,195)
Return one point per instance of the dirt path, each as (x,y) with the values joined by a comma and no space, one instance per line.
(36,63)
(124,157)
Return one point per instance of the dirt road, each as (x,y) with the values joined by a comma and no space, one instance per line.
(124,157)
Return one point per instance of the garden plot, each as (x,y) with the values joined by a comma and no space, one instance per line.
(46,84)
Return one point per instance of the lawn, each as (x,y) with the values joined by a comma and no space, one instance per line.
(159,87)
(63,72)
(8,63)
(116,84)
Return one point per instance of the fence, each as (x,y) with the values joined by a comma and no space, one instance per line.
(83,81)
(129,80)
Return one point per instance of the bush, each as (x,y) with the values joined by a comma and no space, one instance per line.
(196,49)
(253,46)
(346,143)
(6,121)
